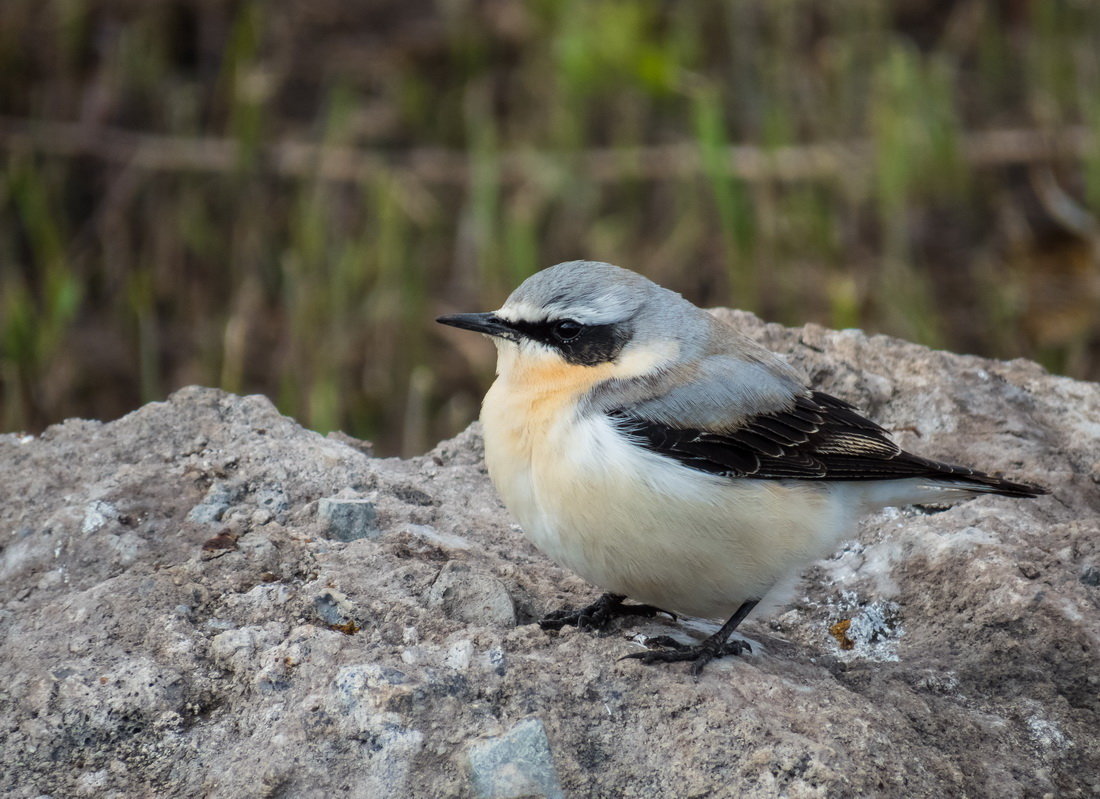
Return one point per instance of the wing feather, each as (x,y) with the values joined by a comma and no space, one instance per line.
(819,437)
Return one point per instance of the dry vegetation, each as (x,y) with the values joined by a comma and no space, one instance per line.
(279,197)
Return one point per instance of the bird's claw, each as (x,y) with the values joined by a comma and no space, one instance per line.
(699,655)
(597,615)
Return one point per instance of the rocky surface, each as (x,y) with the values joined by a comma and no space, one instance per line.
(204,599)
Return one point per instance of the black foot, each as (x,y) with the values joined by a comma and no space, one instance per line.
(699,654)
(597,615)
(716,646)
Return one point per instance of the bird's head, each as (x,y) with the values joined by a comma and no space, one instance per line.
(589,319)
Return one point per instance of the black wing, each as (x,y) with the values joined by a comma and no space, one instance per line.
(820,438)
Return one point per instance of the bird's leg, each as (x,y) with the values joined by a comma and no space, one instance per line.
(597,615)
(701,654)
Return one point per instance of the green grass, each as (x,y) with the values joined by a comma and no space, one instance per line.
(120,283)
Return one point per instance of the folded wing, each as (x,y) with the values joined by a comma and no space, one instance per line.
(818,437)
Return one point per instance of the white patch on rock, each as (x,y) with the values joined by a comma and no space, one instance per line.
(97,514)
(1046,734)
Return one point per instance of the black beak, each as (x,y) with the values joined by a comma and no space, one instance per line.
(487,323)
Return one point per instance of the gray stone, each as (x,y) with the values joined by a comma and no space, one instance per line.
(214,505)
(271,498)
(515,765)
(471,596)
(335,609)
(349,519)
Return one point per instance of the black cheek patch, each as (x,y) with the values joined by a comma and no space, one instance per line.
(595,345)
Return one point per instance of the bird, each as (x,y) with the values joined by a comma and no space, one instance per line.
(665,457)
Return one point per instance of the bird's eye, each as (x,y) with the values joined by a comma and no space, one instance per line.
(567,330)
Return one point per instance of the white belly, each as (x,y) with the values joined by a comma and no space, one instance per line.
(633,522)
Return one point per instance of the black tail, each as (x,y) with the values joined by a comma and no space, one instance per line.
(983,483)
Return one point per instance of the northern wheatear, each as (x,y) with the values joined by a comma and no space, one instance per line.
(663,456)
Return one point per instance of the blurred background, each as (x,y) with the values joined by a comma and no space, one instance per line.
(279,197)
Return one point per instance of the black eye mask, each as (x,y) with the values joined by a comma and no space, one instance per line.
(583,345)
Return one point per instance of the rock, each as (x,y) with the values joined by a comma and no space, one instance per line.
(98,514)
(214,505)
(335,610)
(517,764)
(349,519)
(936,654)
(472,597)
